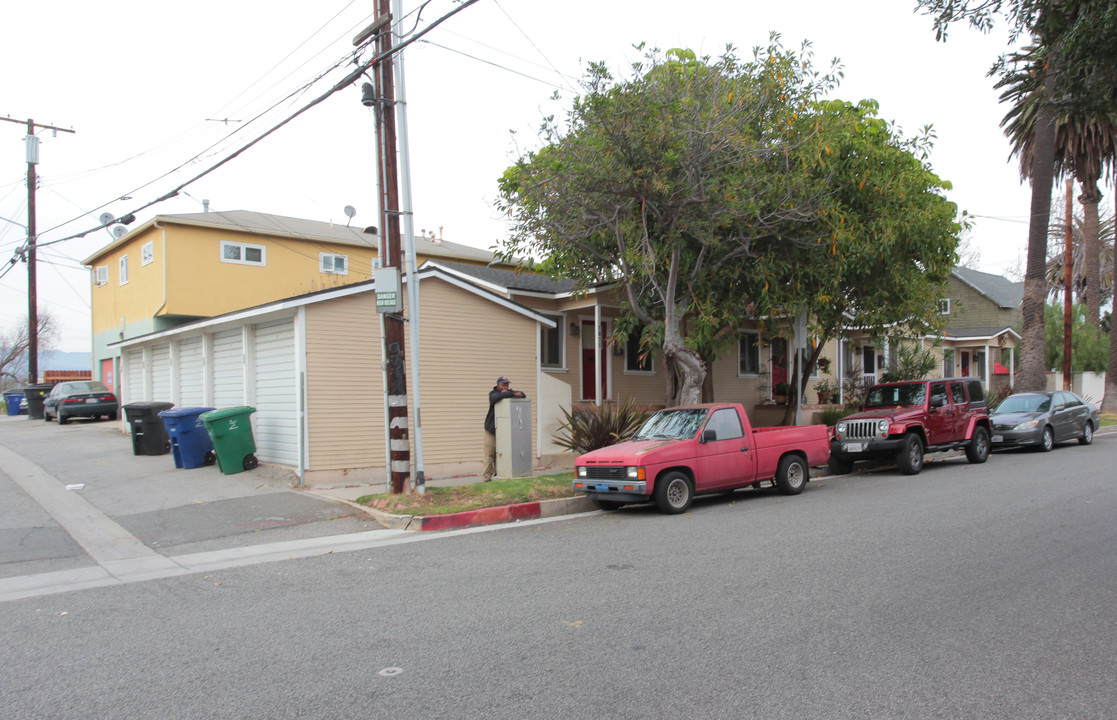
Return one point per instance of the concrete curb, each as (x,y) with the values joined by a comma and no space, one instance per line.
(481,516)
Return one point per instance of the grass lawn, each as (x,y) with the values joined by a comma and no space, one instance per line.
(1108,419)
(444,500)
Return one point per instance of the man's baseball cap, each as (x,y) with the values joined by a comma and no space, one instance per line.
(501,380)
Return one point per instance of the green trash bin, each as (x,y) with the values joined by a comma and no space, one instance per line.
(231,432)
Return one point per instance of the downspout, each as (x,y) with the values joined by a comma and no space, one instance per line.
(162,307)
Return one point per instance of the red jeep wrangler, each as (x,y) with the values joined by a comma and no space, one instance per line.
(904,420)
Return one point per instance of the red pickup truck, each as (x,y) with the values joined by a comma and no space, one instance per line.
(686,451)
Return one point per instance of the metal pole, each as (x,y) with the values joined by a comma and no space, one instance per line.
(419,481)
(1068,289)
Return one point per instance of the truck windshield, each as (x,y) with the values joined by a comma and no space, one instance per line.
(893,395)
(672,425)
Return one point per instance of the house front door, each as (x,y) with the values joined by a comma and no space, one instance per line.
(589,362)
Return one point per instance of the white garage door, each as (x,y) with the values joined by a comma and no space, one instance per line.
(275,423)
(134,383)
(228,368)
(191,372)
(161,372)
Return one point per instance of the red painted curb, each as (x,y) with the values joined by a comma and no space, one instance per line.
(484,516)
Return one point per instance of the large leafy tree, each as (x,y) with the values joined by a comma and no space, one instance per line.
(885,236)
(670,183)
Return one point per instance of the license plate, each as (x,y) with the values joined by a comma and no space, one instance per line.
(600,487)
(90,400)
(997,438)
(852,447)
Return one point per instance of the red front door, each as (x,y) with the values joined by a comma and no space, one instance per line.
(589,364)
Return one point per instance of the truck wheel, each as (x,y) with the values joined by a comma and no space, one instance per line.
(792,475)
(673,493)
(910,456)
(1048,441)
(977,451)
(839,466)
(1087,436)
(605,504)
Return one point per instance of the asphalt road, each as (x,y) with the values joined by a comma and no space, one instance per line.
(964,592)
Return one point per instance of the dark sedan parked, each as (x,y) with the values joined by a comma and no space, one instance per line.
(1041,419)
(83,398)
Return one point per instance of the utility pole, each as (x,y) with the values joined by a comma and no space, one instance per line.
(32,294)
(399,446)
(1068,288)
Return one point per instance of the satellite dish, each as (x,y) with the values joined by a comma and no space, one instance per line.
(119,231)
(106,218)
(350,211)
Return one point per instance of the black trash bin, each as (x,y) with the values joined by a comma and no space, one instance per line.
(35,395)
(149,434)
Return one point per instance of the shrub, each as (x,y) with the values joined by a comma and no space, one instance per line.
(593,427)
(831,416)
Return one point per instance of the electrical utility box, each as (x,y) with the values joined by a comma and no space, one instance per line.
(513,437)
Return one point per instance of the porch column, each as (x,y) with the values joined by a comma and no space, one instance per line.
(597,369)
(1012,367)
(988,366)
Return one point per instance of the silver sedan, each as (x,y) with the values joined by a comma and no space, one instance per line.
(1041,419)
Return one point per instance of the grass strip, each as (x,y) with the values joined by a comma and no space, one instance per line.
(460,498)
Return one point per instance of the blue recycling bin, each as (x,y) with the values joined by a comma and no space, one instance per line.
(191,444)
(12,400)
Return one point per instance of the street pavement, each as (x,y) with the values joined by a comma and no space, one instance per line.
(79,509)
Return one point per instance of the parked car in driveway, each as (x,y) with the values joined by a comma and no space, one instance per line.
(81,398)
(1041,419)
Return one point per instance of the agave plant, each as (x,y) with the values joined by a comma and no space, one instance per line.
(591,428)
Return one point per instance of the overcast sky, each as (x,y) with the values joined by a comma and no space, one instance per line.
(159,92)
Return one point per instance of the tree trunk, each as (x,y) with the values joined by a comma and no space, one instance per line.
(690,366)
(1091,250)
(1032,375)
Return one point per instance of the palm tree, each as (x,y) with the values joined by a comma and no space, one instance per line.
(1085,144)
(1056,243)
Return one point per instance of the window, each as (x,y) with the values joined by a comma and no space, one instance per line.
(636,360)
(147,253)
(748,354)
(726,423)
(101,275)
(551,350)
(124,270)
(944,306)
(333,264)
(958,393)
(948,362)
(243,253)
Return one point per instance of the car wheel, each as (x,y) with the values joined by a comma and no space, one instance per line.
(978,450)
(112,416)
(673,493)
(46,415)
(605,504)
(1048,440)
(250,462)
(62,419)
(792,475)
(839,466)
(1087,435)
(910,456)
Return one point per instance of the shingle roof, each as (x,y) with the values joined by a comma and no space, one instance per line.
(249,221)
(1001,290)
(511,280)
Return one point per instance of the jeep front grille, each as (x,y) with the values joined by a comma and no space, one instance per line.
(860,429)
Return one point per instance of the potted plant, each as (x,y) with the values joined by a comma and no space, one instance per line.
(824,365)
(780,392)
(826,389)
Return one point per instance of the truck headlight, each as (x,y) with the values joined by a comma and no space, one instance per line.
(634,473)
(882,428)
(840,429)
(581,471)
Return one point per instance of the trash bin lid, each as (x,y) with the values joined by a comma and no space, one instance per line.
(149,405)
(228,412)
(184,412)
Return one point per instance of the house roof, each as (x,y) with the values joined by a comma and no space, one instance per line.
(511,281)
(257,223)
(1001,290)
(979,333)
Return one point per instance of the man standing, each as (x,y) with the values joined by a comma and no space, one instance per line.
(500,391)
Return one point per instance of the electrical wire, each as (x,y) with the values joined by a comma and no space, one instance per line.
(345,82)
(490,62)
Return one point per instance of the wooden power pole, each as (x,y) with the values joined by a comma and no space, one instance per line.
(32,233)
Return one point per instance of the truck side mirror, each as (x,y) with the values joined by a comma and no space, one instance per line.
(709,436)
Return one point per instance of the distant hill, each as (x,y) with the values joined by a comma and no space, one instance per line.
(54,360)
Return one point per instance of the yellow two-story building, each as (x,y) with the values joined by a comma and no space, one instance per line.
(175,269)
